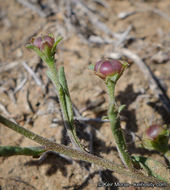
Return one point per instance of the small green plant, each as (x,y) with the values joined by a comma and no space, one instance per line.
(156,138)
(109,71)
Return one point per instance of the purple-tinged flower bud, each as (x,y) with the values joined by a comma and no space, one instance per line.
(49,40)
(42,42)
(110,67)
(37,42)
(156,138)
(45,46)
(153,131)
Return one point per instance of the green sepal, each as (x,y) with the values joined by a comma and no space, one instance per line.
(38,51)
(159,144)
(113,78)
(53,50)
(121,108)
(91,67)
(125,64)
(47,51)
(51,35)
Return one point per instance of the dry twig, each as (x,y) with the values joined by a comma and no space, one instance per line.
(9,66)
(123,15)
(20,86)
(153,81)
(32,73)
(33,7)
(4,110)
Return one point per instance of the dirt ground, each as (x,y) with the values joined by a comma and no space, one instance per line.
(91,30)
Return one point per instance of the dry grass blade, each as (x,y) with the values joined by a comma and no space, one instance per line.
(32,73)
(4,110)
(153,81)
(33,8)
(8,66)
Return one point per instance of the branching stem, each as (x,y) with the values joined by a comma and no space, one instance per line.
(60,83)
(75,154)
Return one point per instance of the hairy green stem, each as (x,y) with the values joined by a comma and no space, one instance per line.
(75,154)
(118,135)
(15,150)
(58,78)
(60,84)
(68,106)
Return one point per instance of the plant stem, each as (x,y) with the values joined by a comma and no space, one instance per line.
(68,107)
(118,135)
(75,154)
(60,84)
(15,150)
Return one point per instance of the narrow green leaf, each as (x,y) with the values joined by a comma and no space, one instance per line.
(121,108)
(91,67)
(55,44)
(39,53)
(68,108)
(63,82)
(15,150)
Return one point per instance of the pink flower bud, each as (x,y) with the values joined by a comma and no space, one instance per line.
(41,42)
(108,67)
(156,138)
(37,42)
(49,40)
(45,47)
(154,131)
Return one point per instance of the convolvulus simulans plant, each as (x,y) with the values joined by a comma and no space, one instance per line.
(109,71)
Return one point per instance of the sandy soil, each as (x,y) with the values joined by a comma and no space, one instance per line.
(91,30)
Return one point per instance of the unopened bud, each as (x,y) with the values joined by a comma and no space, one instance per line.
(156,138)
(106,68)
(43,41)
(45,47)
